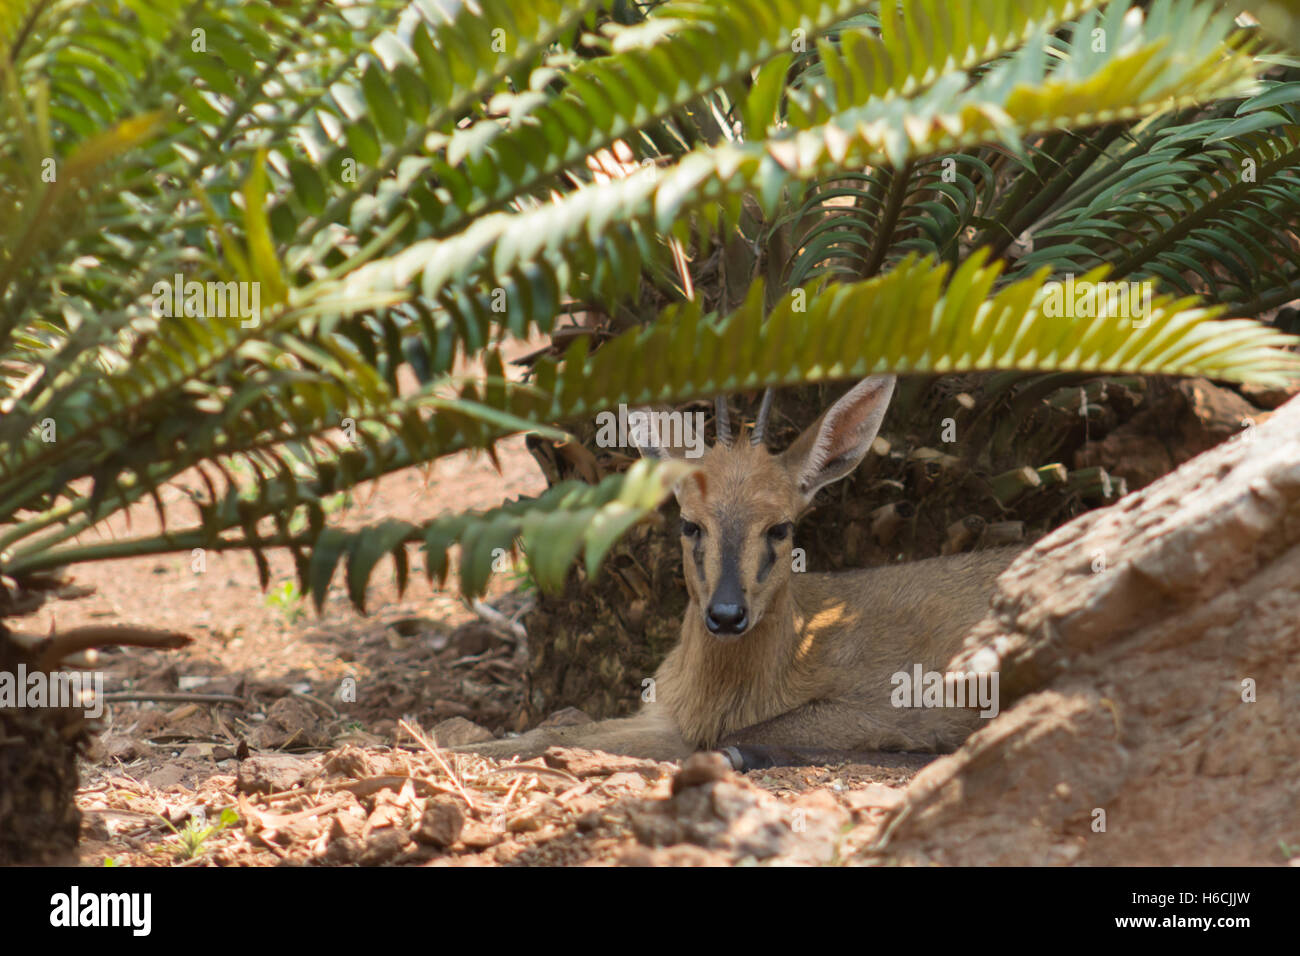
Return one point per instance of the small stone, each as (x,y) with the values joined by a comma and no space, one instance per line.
(457,732)
(479,836)
(440,825)
(382,846)
(656,829)
(527,821)
(470,640)
(349,762)
(701,768)
(342,849)
(273,773)
(450,708)
(123,747)
(592,763)
(632,781)
(346,825)
(300,723)
(873,796)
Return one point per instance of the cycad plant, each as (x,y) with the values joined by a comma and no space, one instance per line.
(864,187)
(225,228)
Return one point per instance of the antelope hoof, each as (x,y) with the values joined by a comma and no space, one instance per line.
(744,757)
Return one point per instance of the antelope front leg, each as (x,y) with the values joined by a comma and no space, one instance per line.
(835,732)
(646,735)
(525,746)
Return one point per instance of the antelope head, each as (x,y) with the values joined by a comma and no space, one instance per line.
(740,505)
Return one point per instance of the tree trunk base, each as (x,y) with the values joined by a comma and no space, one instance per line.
(603,643)
(39,819)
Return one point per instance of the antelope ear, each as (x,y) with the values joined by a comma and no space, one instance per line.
(836,443)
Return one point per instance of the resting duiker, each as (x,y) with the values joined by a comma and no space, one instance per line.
(776,666)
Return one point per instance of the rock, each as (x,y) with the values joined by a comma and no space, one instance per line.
(123,747)
(440,824)
(386,814)
(168,775)
(701,768)
(298,721)
(95,827)
(1194,416)
(625,779)
(150,722)
(342,849)
(533,817)
(1267,396)
(873,796)
(479,836)
(684,854)
(655,828)
(594,763)
(266,736)
(382,846)
(736,820)
(476,638)
(348,762)
(451,708)
(273,773)
(346,825)
(457,732)
(1159,689)
(526,821)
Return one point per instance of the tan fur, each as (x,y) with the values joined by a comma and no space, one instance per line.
(814,667)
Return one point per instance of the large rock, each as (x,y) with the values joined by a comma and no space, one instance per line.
(1150,671)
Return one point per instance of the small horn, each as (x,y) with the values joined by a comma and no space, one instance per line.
(723,420)
(760,423)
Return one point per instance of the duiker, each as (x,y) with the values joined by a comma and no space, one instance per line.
(775,666)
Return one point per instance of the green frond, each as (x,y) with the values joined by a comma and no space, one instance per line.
(1195,208)
(842,186)
(533,255)
(920,317)
(569,520)
(918,42)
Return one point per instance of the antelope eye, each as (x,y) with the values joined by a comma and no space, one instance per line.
(690,529)
(779,532)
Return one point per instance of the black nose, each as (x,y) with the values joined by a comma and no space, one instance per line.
(726,618)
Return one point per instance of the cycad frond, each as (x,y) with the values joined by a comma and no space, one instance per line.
(406,188)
